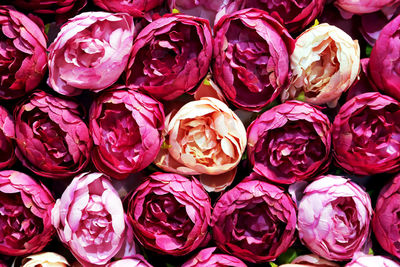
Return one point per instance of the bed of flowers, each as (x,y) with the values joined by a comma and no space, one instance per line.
(199,133)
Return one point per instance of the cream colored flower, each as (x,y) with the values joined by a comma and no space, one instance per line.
(45,259)
(325,63)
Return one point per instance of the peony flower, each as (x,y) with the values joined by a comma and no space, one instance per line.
(363,260)
(23,59)
(136,261)
(89,219)
(254,221)
(325,63)
(295,15)
(170,56)
(45,259)
(334,217)
(366,134)
(90,52)
(134,8)
(290,142)
(203,137)
(126,128)
(7,134)
(52,140)
(309,261)
(25,207)
(207,258)
(385,222)
(169,213)
(363,6)
(251,58)
(384,60)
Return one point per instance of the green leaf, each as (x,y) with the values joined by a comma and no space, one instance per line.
(46,28)
(370,251)
(206,82)
(175,11)
(301,97)
(170,265)
(368,50)
(288,256)
(165,145)
(273,264)
(316,22)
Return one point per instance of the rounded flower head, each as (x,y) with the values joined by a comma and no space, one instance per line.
(52,139)
(325,63)
(90,52)
(366,134)
(363,6)
(207,258)
(203,137)
(290,142)
(310,260)
(23,59)
(170,56)
(294,14)
(136,8)
(384,62)
(45,259)
(170,213)
(89,219)
(254,221)
(126,128)
(136,261)
(334,217)
(362,260)
(7,134)
(25,206)
(251,53)
(385,222)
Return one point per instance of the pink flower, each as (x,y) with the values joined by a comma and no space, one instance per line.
(207,258)
(363,6)
(136,261)
(7,134)
(137,8)
(90,52)
(362,260)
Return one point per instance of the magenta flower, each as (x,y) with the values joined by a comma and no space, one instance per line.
(170,56)
(207,258)
(25,207)
(138,8)
(53,141)
(136,261)
(363,260)
(23,59)
(290,142)
(170,213)
(254,221)
(251,53)
(126,128)
(7,134)
(364,6)
(89,219)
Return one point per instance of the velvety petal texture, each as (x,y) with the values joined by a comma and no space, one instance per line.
(325,63)
(170,213)
(386,221)
(126,128)
(23,59)
(89,219)
(207,258)
(203,137)
(255,221)
(384,63)
(25,206)
(52,139)
(251,52)
(136,261)
(366,134)
(290,142)
(45,259)
(7,134)
(90,52)
(137,8)
(334,217)
(364,6)
(362,260)
(170,56)
(310,260)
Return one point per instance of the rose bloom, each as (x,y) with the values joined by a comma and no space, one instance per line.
(23,59)
(334,217)
(310,261)
(385,222)
(45,259)
(255,221)
(251,54)
(363,260)
(290,142)
(385,59)
(325,63)
(203,137)
(169,213)
(7,134)
(90,52)
(136,8)
(126,128)
(363,6)
(89,219)
(170,56)
(52,139)
(207,258)
(136,261)
(295,15)
(366,134)
(25,206)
